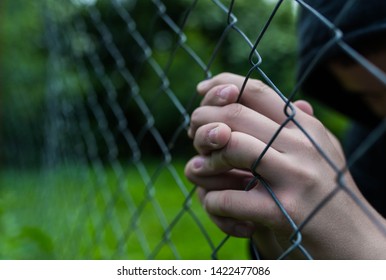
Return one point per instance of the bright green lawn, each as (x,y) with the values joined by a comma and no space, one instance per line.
(106,213)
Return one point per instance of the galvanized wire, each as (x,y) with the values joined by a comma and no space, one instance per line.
(93,83)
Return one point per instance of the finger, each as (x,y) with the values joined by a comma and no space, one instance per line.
(234,227)
(266,243)
(220,79)
(241,152)
(211,137)
(228,225)
(201,192)
(305,106)
(255,205)
(257,96)
(221,95)
(233,179)
(242,119)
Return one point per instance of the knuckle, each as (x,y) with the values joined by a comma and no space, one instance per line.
(233,111)
(316,124)
(301,162)
(304,173)
(308,176)
(258,86)
(224,202)
(225,76)
(218,203)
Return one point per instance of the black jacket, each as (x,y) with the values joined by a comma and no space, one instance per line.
(359,23)
(369,170)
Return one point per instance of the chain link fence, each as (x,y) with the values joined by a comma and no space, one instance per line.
(93,163)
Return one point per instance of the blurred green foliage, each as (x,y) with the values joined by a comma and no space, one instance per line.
(50,218)
(22,80)
(29,46)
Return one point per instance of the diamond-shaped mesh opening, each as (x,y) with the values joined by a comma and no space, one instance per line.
(96,152)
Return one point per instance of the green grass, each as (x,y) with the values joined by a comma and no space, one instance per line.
(76,212)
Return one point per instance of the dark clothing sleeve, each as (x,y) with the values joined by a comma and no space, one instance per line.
(369,170)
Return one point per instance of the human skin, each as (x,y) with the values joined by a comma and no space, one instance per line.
(230,136)
(358,80)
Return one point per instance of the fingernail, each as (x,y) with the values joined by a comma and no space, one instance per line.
(213,135)
(224,93)
(198,162)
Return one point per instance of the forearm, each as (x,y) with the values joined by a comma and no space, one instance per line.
(349,232)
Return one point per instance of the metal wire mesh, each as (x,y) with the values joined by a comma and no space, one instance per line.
(110,157)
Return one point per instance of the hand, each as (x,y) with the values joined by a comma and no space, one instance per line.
(230,137)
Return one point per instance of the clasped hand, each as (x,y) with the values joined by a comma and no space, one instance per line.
(229,137)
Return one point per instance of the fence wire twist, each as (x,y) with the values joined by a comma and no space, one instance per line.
(111,85)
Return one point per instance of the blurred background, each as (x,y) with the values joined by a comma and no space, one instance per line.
(95,98)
